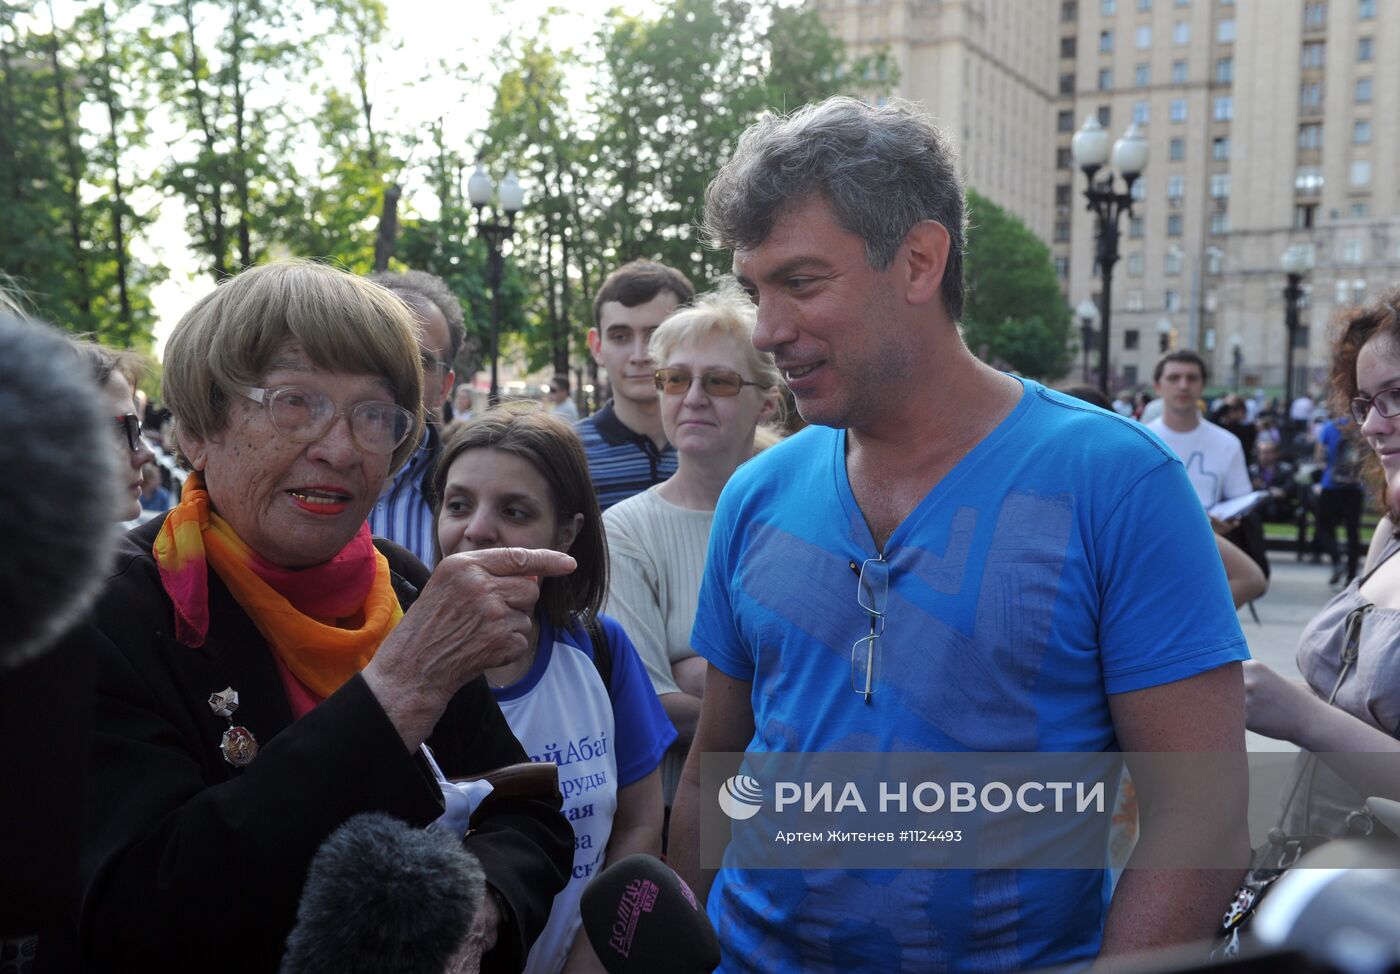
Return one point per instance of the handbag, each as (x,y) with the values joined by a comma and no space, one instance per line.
(1281,850)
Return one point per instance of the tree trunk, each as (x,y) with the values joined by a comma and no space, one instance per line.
(388,235)
(109,96)
(211,219)
(74,173)
(240,144)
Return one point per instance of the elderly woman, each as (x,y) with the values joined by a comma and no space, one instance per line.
(266,670)
(715,389)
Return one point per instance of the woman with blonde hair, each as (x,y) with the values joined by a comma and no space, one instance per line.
(716,389)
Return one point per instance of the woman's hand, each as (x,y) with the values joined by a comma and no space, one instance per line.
(1274,705)
(475,613)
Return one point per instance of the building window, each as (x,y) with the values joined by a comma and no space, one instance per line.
(1366,9)
(1105,79)
(1144,5)
(1361,132)
(1225,31)
(1069,11)
(1142,75)
(1105,115)
(1353,251)
(1061,231)
(1314,54)
(1365,48)
(1176,110)
(1220,148)
(1363,91)
(1178,72)
(1067,46)
(1108,7)
(1314,16)
(1360,211)
(1135,227)
(1224,108)
(1139,190)
(1183,3)
(1361,172)
(1171,300)
(1310,96)
(1308,179)
(1140,112)
(1176,149)
(1143,37)
(1215,257)
(1064,121)
(1225,71)
(1135,264)
(1310,136)
(1067,84)
(1105,42)
(1171,262)
(1219,222)
(1130,335)
(1176,186)
(1181,32)
(1220,186)
(1304,216)
(1174,224)
(1062,267)
(1133,303)
(1064,158)
(1063,193)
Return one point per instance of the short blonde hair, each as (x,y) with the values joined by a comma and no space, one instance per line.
(343,323)
(726,311)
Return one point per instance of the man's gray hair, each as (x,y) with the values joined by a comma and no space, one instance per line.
(882,170)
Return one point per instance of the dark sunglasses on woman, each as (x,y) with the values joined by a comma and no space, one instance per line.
(129,429)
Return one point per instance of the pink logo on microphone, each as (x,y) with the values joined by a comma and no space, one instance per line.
(639,897)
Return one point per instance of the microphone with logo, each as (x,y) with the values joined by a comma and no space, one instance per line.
(641,917)
(384,897)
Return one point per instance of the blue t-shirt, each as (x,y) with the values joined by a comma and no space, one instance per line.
(1065,558)
(1341,469)
(561,712)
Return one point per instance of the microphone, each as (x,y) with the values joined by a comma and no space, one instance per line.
(60,519)
(641,917)
(382,897)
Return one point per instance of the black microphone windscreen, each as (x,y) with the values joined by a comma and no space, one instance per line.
(641,917)
(384,897)
(59,517)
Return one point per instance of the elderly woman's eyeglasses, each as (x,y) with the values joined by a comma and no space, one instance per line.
(872,592)
(1387,403)
(129,430)
(305,415)
(716,382)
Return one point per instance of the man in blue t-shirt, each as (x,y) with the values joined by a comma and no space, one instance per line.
(1342,496)
(1042,575)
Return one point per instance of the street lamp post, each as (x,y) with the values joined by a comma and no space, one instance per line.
(1088,313)
(1164,335)
(510,200)
(1236,362)
(1091,151)
(1297,261)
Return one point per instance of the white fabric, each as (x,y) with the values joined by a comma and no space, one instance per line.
(567,411)
(1213,457)
(570,692)
(1302,409)
(460,798)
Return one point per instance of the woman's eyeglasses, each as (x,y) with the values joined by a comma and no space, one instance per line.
(1387,403)
(129,431)
(717,382)
(305,415)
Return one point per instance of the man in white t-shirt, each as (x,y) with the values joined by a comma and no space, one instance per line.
(1213,456)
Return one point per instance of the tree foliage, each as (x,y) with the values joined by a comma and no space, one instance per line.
(1015,315)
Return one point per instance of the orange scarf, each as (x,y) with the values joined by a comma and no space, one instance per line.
(325,623)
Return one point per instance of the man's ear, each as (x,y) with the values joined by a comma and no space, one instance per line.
(595,344)
(924,257)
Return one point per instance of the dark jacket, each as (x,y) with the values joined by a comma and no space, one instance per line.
(192,864)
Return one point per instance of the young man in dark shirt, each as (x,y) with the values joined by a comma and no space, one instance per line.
(627,449)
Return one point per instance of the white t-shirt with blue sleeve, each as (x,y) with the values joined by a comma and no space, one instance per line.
(560,711)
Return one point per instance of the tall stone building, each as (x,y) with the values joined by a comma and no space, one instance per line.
(1270,123)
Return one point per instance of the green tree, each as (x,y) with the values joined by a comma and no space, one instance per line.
(1015,314)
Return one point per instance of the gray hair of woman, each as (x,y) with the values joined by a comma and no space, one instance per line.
(343,323)
(724,312)
(881,169)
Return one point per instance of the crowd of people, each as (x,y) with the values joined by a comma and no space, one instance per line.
(330,599)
